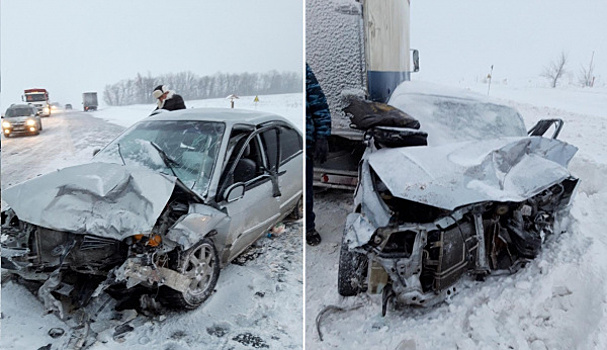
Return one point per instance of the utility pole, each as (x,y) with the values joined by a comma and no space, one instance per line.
(489,77)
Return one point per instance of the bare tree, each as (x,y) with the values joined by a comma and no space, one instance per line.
(137,90)
(555,70)
(587,73)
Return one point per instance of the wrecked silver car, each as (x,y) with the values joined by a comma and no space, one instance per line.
(158,211)
(470,192)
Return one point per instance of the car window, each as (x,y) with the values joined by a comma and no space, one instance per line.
(290,143)
(19,112)
(191,149)
(449,119)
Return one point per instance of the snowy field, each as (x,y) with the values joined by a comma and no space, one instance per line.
(557,302)
(258,301)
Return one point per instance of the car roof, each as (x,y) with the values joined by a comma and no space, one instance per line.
(21,105)
(229,116)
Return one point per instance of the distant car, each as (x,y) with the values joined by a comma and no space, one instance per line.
(21,119)
(160,209)
(68,106)
(472,192)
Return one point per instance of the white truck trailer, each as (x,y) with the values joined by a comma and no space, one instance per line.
(356,48)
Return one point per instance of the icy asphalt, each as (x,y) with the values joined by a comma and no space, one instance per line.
(258,299)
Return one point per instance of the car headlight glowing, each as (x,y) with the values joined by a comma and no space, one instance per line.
(30,122)
(45,109)
(6,125)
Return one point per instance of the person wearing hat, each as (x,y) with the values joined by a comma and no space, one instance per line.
(167,99)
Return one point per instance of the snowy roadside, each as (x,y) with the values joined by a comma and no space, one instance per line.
(289,106)
(558,302)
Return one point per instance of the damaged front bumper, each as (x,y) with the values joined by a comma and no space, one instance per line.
(420,263)
(138,270)
(396,257)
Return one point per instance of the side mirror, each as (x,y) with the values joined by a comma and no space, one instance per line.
(95,151)
(415,60)
(234,192)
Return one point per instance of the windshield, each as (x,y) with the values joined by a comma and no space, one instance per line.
(452,115)
(19,112)
(187,149)
(35,97)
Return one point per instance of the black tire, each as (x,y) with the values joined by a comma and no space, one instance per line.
(352,271)
(40,126)
(298,211)
(201,262)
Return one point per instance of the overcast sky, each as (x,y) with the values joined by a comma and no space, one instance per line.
(72,46)
(460,40)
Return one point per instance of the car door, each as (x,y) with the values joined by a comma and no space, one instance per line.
(257,210)
(284,149)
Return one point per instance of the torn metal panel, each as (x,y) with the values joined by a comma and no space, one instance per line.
(101,199)
(135,271)
(507,169)
(200,221)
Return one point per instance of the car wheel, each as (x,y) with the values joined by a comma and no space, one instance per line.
(352,271)
(298,211)
(201,264)
(40,126)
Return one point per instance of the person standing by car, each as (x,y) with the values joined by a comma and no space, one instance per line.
(167,99)
(318,128)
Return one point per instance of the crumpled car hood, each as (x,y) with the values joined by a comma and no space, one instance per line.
(449,176)
(102,199)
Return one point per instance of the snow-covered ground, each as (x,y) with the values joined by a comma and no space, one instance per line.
(557,302)
(286,105)
(258,301)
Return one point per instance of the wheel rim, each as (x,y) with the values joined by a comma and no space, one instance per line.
(200,268)
(300,209)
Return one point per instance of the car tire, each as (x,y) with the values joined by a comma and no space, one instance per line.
(352,271)
(40,126)
(298,211)
(201,263)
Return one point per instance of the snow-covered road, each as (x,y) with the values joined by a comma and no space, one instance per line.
(258,299)
(557,302)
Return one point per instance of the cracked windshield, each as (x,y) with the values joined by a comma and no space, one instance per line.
(185,149)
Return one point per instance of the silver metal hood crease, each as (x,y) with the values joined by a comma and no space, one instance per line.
(102,199)
(507,169)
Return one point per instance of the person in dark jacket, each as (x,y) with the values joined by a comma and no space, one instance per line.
(167,99)
(318,128)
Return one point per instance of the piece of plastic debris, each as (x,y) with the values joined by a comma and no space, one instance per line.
(56,332)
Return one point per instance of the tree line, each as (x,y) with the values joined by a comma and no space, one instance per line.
(192,87)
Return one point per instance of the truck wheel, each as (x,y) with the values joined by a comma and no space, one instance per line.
(352,271)
(201,264)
